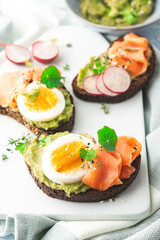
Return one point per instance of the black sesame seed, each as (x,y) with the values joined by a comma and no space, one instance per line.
(82,159)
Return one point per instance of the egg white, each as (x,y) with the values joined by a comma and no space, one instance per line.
(44,115)
(47,167)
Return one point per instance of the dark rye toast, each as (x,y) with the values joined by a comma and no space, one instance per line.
(90,195)
(67,126)
(137,84)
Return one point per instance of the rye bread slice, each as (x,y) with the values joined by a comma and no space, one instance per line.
(67,126)
(138,83)
(90,195)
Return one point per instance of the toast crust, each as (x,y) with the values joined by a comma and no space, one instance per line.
(136,85)
(67,126)
(90,195)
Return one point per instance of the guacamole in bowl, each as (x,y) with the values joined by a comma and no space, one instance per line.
(118,13)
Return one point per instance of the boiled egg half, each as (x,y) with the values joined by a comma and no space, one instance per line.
(61,162)
(40,103)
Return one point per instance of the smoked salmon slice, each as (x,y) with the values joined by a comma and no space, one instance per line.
(13,83)
(129,148)
(131,53)
(110,167)
(126,172)
(105,170)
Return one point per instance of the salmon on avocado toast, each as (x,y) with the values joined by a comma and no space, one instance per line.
(119,73)
(74,167)
(38,99)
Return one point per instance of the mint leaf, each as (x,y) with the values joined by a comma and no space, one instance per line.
(87,155)
(51,77)
(107,138)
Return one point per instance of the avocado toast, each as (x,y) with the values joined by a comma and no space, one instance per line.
(132,55)
(74,167)
(37,99)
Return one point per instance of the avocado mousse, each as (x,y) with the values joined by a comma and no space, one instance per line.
(116,13)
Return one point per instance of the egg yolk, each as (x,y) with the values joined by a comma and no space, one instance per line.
(42,100)
(66,157)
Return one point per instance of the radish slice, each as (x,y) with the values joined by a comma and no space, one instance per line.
(16,53)
(101,87)
(116,79)
(45,51)
(89,85)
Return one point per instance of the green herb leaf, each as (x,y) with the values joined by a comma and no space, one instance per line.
(34,92)
(32,95)
(104,108)
(44,139)
(66,68)
(11,141)
(100,164)
(32,99)
(4,157)
(87,155)
(107,138)
(68,45)
(98,64)
(21,146)
(68,104)
(83,165)
(99,68)
(129,15)
(131,50)
(20,143)
(51,77)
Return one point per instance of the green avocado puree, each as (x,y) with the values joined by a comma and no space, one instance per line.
(62,118)
(116,12)
(33,157)
(88,70)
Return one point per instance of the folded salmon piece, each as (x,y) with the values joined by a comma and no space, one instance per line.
(129,148)
(13,83)
(105,170)
(126,172)
(131,53)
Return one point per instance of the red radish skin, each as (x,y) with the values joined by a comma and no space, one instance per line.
(45,51)
(116,79)
(101,87)
(16,54)
(89,85)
